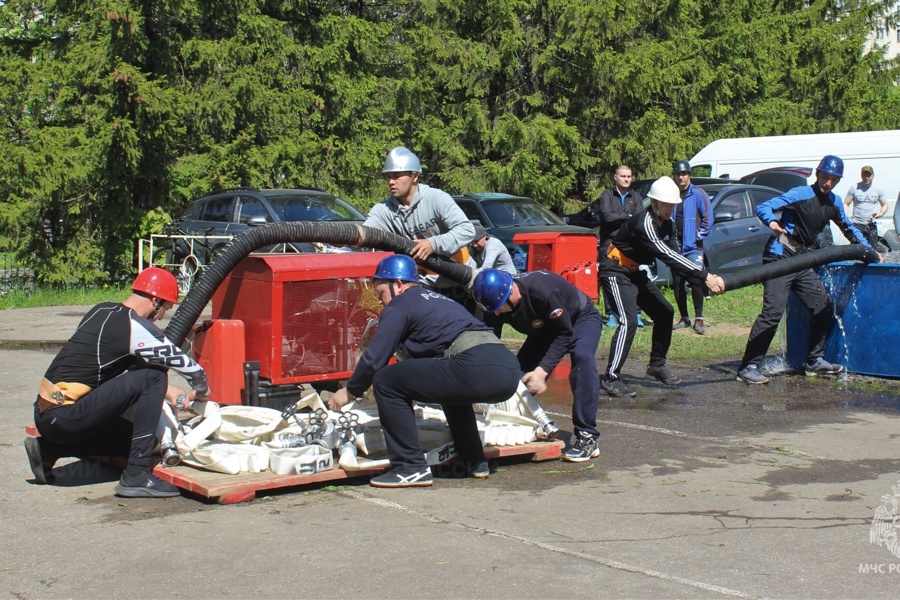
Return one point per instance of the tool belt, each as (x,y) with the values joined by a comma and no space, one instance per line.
(469,339)
(793,244)
(615,255)
(59,394)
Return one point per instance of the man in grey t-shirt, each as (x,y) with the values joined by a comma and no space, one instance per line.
(868,204)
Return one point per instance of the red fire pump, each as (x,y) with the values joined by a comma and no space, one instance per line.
(281,320)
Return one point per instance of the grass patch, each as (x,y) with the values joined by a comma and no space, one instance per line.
(728,320)
(82,295)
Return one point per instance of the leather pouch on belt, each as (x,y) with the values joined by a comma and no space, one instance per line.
(60,394)
(616,255)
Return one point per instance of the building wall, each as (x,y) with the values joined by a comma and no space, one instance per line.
(887,36)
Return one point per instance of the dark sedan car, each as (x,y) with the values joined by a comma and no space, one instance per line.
(780,178)
(504,216)
(229,212)
(232,211)
(211,221)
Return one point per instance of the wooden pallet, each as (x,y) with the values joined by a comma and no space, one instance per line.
(231,489)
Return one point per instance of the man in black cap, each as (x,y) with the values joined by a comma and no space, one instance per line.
(693,221)
(490,253)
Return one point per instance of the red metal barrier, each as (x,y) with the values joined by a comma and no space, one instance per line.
(562,253)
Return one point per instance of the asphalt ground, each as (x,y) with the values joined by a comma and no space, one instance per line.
(711,489)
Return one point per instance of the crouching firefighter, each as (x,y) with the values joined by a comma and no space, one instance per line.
(455,361)
(558,319)
(103,394)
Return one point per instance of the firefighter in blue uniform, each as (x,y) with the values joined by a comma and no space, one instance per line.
(455,360)
(804,212)
(558,319)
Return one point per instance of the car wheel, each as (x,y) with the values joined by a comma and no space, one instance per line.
(163,258)
(891,240)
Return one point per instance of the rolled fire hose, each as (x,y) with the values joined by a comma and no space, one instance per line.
(794,264)
(167,431)
(242,428)
(306,460)
(249,424)
(518,420)
(211,420)
(338,234)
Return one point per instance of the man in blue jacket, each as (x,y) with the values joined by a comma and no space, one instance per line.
(693,220)
(805,211)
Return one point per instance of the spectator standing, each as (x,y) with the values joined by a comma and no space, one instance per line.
(693,221)
(868,205)
(614,206)
(804,212)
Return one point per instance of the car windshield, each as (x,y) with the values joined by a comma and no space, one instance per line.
(513,212)
(313,207)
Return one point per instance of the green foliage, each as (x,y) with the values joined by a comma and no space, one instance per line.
(62,296)
(114,115)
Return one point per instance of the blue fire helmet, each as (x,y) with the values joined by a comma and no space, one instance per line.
(398,266)
(832,165)
(491,289)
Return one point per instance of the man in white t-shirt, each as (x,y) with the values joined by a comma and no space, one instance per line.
(868,204)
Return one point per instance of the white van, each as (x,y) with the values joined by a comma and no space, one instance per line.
(735,157)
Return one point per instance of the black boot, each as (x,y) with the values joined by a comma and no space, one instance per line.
(41,459)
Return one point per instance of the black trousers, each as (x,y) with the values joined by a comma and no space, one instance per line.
(629,292)
(487,374)
(870,232)
(95,425)
(810,291)
(584,378)
(679,289)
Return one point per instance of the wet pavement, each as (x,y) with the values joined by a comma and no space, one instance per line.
(710,489)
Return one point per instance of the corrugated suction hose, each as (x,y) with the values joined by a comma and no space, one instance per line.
(754,275)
